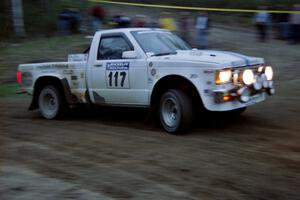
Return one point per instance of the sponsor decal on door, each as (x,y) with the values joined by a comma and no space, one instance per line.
(117,75)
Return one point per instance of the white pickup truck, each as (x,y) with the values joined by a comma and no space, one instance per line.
(151,68)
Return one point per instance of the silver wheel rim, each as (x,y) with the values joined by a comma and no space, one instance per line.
(170,112)
(48,103)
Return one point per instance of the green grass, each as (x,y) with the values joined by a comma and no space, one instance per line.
(8,89)
(56,48)
(14,53)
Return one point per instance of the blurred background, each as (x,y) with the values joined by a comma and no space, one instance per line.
(43,17)
(45,23)
(113,155)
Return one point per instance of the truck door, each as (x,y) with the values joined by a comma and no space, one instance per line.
(116,80)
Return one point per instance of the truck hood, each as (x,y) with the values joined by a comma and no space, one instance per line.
(210,56)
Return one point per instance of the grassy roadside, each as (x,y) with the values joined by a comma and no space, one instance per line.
(14,53)
(8,89)
(56,48)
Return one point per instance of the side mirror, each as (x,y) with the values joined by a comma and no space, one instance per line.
(129,55)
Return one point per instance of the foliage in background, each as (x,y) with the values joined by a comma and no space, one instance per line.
(37,50)
(5,20)
(246,4)
(41,16)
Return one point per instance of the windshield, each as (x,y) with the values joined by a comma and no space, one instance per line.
(159,42)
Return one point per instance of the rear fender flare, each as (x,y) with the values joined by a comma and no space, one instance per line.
(62,84)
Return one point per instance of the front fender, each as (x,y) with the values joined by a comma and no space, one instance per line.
(201,79)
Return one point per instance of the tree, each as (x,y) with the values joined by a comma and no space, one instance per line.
(18,19)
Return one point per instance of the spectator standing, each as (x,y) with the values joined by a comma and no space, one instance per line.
(282,23)
(262,23)
(202,26)
(121,21)
(167,22)
(98,14)
(139,21)
(284,26)
(152,22)
(186,25)
(74,21)
(64,18)
(295,25)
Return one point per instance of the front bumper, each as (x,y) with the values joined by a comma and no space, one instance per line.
(243,93)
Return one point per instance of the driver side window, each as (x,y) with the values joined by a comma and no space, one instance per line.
(112,48)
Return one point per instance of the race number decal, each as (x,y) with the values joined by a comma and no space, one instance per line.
(117,75)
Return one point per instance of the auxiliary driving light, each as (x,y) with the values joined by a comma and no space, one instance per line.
(244,93)
(269,73)
(270,84)
(260,69)
(258,83)
(248,77)
(265,82)
(271,91)
(223,76)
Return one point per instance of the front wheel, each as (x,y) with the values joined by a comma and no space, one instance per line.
(176,111)
(237,112)
(51,104)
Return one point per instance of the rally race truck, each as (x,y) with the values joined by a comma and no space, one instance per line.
(150,68)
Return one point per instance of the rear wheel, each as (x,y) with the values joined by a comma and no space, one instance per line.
(176,111)
(51,104)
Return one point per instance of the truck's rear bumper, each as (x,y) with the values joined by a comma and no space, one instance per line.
(23,92)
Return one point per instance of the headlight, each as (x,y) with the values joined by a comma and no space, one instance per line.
(248,77)
(269,73)
(260,69)
(223,76)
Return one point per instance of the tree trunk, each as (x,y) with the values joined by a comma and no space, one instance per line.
(18,20)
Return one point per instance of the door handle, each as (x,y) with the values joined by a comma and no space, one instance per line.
(98,65)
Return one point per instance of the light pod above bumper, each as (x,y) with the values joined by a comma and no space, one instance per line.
(244,94)
(258,83)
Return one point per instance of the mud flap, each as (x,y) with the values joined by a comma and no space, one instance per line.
(70,98)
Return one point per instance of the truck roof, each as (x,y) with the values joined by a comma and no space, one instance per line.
(128,30)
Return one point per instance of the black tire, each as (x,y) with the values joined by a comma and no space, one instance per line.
(176,111)
(51,102)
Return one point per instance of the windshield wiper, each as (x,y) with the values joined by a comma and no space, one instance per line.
(165,54)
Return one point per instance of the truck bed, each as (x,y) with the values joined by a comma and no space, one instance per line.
(73,72)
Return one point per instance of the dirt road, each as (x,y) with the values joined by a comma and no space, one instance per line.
(111,154)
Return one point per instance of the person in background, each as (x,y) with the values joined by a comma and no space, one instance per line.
(64,18)
(295,25)
(121,21)
(74,21)
(282,23)
(262,22)
(167,22)
(284,26)
(202,26)
(98,14)
(186,24)
(124,22)
(139,21)
(152,22)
